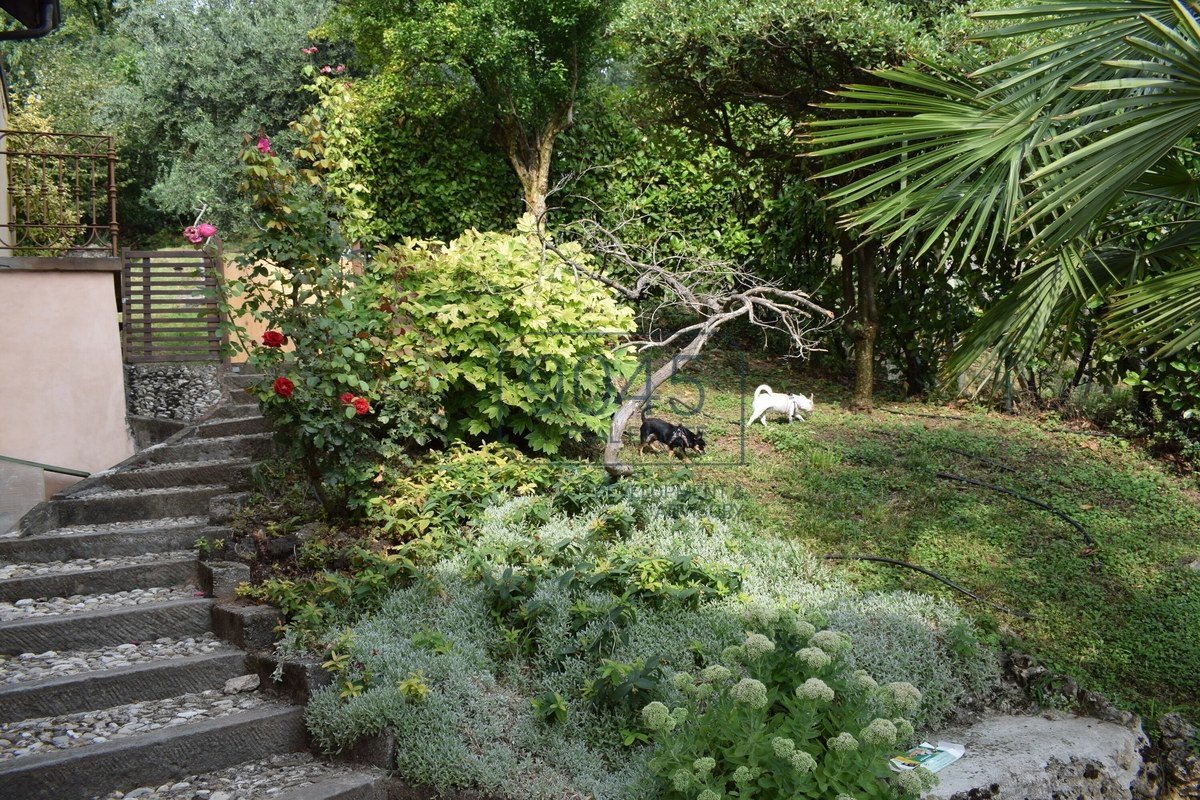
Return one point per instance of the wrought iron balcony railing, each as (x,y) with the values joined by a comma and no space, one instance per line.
(62,194)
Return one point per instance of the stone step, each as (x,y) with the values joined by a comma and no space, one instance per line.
(152,680)
(121,505)
(241,380)
(288,775)
(107,625)
(232,427)
(232,472)
(155,757)
(220,448)
(358,785)
(242,408)
(107,541)
(99,576)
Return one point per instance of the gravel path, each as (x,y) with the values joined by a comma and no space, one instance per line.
(51,664)
(31,568)
(109,493)
(46,734)
(252,781)
(123,527)
(46,607)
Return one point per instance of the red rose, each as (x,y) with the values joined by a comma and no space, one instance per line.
(361,405)
(283,387)
(347,399)
(273,339)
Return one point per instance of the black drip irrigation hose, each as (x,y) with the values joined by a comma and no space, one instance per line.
(897,563)
(1074,523)
(919,414)
(1000,465)
(1094,434)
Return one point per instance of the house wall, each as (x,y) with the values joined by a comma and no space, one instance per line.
(62,392)
(5,211)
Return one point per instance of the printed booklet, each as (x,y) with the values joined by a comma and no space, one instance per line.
(932,758)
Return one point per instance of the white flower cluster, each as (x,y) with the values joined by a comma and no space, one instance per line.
(815,689)
(843,743)
(751,692)
(757,645)
(902,697)
(832,642)
(814,657)
(880,732)
(863,680)
(917,781)
(657,717)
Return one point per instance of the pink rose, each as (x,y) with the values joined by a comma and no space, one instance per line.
(206,229)
(308,51)
(264,145)
(192,234)
(340,68)
(325,70)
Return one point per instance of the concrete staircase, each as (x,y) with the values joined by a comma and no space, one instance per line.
(111,678)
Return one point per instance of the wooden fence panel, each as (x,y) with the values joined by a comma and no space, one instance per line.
(170,308)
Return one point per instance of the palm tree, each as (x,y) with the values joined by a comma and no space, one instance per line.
(1067,162)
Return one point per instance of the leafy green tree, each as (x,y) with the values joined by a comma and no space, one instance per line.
(1072,161)
(745,77)
(523,62)
(205,74)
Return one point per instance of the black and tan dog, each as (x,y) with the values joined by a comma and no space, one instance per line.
(677,438)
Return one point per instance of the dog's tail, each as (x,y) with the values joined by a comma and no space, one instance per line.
(762,387)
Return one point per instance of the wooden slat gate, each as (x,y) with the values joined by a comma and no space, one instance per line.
(170,306)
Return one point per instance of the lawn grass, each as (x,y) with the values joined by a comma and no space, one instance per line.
(1123,617)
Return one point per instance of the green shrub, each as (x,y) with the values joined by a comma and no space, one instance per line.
(542,639)
(314,605)
(528,344)
(437,497)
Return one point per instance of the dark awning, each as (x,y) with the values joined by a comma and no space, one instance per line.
(38,16)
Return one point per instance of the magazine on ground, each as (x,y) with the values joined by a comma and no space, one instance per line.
(931,757)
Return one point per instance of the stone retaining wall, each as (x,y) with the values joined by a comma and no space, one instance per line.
(172,391)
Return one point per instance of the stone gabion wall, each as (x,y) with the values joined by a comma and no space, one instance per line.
(172,391)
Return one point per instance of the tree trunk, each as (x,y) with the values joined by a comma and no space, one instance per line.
(1085,359)
(636,402)
(530,156)
(859,284)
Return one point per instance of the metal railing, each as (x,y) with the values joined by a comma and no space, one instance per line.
(46,467)
(62,194)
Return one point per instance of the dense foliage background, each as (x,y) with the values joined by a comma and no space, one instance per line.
(685,124)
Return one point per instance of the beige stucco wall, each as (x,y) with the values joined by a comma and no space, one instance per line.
(5,234)
(62,386)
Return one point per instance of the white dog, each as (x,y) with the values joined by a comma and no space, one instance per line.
(791,404)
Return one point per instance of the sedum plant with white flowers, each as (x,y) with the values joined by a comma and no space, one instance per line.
(785,716)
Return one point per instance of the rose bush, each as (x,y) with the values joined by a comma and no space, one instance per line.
(347,340)
(485,337)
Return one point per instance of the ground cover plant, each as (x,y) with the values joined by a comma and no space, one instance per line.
(536,658)
(1108,612)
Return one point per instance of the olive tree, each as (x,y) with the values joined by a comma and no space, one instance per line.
(524,62)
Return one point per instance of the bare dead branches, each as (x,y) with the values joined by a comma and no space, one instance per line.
(668,282)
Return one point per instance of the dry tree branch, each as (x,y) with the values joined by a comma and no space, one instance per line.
(662,278)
